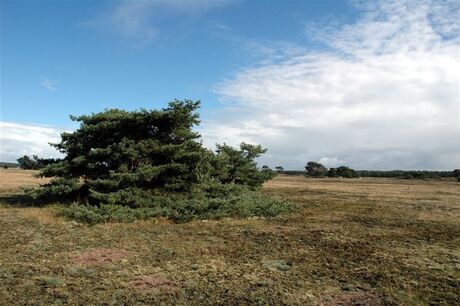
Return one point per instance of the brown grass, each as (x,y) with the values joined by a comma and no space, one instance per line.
(101,256)
(42,215)
(13,179)
(155,284)
(350,242)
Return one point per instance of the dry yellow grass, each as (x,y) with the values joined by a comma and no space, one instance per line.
(13,179)
(42,215)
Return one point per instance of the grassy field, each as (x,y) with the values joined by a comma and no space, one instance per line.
(350,242)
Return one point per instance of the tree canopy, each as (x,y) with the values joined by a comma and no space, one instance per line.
(342,171)
(129,158)
(315,169)
(34,163)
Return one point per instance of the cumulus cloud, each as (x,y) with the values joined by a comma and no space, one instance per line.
(18,139)
(139,20)
(384,95)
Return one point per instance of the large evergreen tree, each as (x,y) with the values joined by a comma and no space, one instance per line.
(124,157)
(132,158)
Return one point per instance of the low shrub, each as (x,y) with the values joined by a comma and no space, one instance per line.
(217,203)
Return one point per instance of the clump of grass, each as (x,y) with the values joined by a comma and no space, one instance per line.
(51,282)
(41,215)
(277,265)
(243,204)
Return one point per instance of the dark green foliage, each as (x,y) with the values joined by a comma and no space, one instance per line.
(227,202)
(293,172)
(456,174)
(5,166)
(315,169)
(34,163)
(401,174)
(152,164)
(342,171)
(407,174)
(279,168)
(238,166)
(27,163)
(267,173)
(127,157)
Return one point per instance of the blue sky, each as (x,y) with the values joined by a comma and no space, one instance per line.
(368,84)
(65,57)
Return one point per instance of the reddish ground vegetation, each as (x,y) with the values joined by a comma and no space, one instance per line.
(101,256)
(360,299)
(149,283)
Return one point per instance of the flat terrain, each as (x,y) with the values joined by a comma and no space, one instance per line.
(351,242)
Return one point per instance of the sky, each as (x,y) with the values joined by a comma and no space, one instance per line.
(367,84)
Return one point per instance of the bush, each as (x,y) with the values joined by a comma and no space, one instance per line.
(218,202)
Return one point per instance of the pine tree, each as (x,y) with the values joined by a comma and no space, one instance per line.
(121,157)
(238,166)
(133,158)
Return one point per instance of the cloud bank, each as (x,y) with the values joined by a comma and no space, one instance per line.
(17,140)
(383,93)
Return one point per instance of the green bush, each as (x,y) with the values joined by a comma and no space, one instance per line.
(219,202)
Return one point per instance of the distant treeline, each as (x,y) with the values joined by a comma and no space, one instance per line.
(8,165)
(314,169)
(407,174)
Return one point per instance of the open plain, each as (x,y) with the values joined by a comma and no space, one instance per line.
(349,242)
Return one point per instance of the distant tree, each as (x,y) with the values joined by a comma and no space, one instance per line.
(315,169)
(456,174)
(5,166)
(34,163)
(279,168)
(27,163)
(342,171)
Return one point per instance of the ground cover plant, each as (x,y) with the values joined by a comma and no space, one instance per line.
(367,241)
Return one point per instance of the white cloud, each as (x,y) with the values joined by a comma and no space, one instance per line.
(48,83)
(18,139)
(385,95)
(139,21)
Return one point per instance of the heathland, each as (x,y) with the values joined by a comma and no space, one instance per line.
(363,241)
